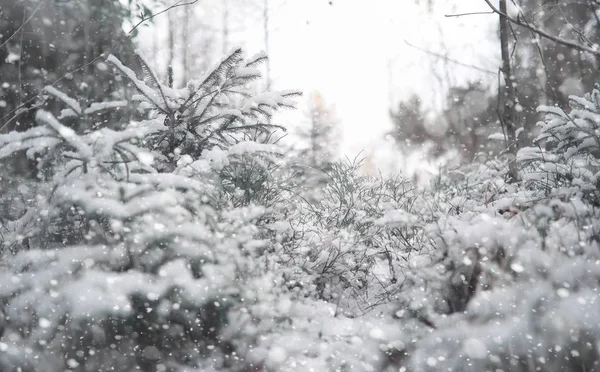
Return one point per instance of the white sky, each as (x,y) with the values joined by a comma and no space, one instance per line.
(344,50)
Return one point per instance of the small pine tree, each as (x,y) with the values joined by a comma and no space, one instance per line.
(138,251)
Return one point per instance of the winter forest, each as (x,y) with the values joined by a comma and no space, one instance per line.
(299,185)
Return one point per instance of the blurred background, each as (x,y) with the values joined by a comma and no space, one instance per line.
(411,85)
(373,65)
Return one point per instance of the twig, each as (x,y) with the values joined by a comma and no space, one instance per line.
(20,64)
(24,23)
(466,14)
(441,56)
(575,29)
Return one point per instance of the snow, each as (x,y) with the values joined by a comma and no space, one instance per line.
(277,355)
(145,90)
(145,158)
(12,57)
(398,218)
(497,137)
(377,334)
(66,133)
(101,106)
(247,72)
(475,348)
(70,102)
(250,147)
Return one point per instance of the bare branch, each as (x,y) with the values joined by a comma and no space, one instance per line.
(542,33)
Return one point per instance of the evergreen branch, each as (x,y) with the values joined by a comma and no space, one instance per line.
(138,84)
(257,61)
(193,125)
(217,131)
(146,68)
(209,104)
(233,58)
(255,126)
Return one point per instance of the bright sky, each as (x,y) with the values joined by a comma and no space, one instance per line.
(354,52)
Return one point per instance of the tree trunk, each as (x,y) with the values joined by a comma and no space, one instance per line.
(171,49)
(186,41)
(508,117)
(225,36)
(266,32)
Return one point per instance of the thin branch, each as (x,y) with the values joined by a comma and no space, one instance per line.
(445,58)
(542,33)
(21,54)
(176,5)
(575,29)
(539,48)
(467,14)
(24,23)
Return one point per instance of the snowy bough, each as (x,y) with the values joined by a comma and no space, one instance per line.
(141,242)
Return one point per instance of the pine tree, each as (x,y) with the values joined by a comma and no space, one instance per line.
(318,142)
(144,239)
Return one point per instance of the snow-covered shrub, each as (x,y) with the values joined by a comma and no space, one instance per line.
(510,279)
(347,245)
(139,252)
(306,334)
(547,322)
